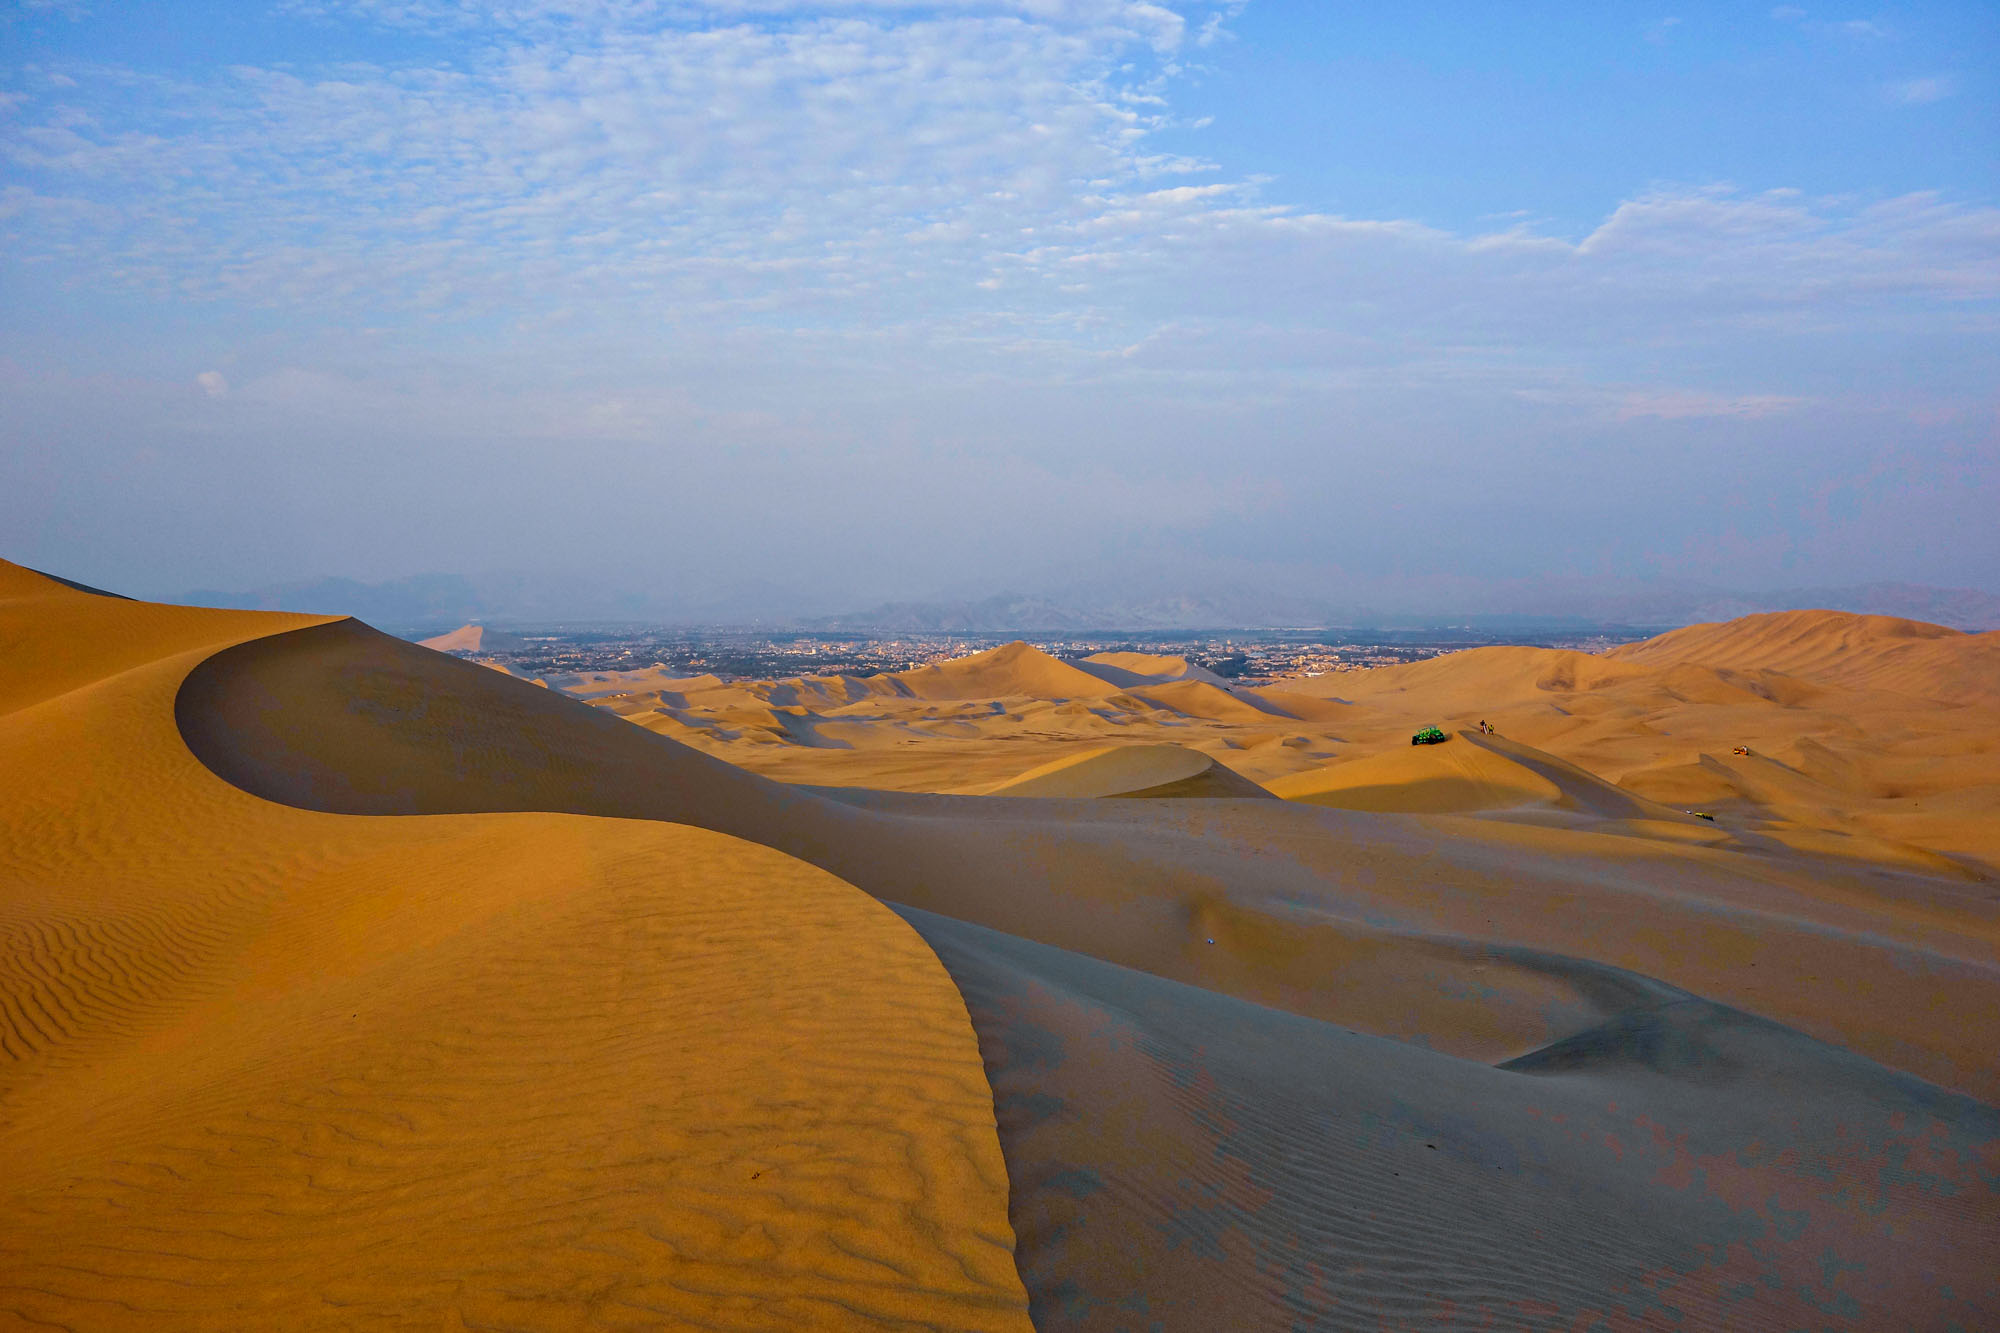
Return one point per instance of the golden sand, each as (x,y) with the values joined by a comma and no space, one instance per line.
(266,1068)
(493,1006)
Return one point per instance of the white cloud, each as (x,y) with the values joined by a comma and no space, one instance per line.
(1695,404)
(963,193)
(1931,88)
(212,383)
(670,162)
(881,162)
(1159,25)
(1663,403)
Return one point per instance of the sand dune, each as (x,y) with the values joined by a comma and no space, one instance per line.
(1268,1171)
(1194,698)
(1478,772)
(1013,669)
(1302,902)
(1478,677)
(464,639)
(1891,721)
(356,942)
(472,639)
(262,1068)
(656,680)
(1434,779)
(1132,771)
(1126,670)
(1836,648)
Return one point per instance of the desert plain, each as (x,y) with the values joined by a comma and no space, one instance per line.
(350,983)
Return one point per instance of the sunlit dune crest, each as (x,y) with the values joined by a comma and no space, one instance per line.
(1851,651)
(262,1067)
(1128,669)
(348,982)
(1013,669)
(1130,770)
(464,639)
(1483,773)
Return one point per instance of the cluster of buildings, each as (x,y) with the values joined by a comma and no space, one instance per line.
(1249,656)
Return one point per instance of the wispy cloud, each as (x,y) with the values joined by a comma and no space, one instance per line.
(699,160)
(1686,405)
(1930,88)
(817,251)
(988,161)
(1662,403)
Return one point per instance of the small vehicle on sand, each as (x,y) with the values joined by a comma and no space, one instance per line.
(1430,736)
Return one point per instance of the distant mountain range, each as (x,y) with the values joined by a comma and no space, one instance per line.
(430,603)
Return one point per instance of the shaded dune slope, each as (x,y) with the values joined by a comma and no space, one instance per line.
(262,1067)
(1472,772)
(1126,670)
(1422,779)
(1309,910)
(347,720)
(1181,1157)
(1685,1165)
(1130,771)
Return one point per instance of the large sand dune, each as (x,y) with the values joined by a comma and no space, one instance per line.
(262,1067)
(1668,1169)
(464,639)
(1126,669)
(1132,771)
(1834,648)
(1306,904)
(1255,1063)
(1014,669)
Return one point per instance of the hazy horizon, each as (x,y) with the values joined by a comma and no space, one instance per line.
(437,601)
(883,301)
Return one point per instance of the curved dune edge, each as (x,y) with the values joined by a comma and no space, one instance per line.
(262,1067)
(1421,779)
(1375,924)
(1133,771)
(1352,917)
(1684,1166)
(1471,772)
(342,719)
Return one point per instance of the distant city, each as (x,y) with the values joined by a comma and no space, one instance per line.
(1251,657)
(1516,613)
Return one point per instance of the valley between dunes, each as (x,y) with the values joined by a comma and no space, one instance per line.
(349,984)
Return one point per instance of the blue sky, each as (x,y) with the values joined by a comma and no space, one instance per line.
(1439,111)
(894,299)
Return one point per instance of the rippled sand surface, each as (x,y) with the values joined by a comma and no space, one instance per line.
(348,983)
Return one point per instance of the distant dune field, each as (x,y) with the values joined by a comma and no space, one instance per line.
(1868,737)
(348,983)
